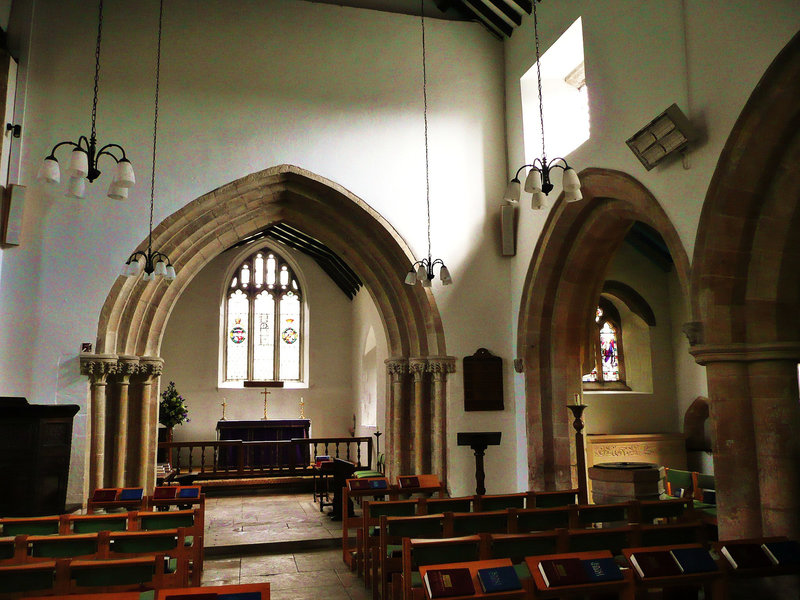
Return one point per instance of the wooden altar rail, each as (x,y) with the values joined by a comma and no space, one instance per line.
(203,458)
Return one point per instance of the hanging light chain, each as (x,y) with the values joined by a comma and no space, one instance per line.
(425,117)
(155,125)
(539,78)
(96,73)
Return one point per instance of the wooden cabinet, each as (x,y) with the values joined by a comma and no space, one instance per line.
(35,442)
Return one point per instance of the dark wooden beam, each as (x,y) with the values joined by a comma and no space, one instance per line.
(485,15)
(524,5)
(509,12)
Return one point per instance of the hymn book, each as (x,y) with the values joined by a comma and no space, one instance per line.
(658,563)
(499,579)
(601,569)
(443,583)
(693,560)
(409,481)
(746,556)
(563,571)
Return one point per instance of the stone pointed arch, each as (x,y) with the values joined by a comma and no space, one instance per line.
(135,313)
(564,280)
(746,293)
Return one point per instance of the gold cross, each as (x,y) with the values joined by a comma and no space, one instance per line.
(266,393)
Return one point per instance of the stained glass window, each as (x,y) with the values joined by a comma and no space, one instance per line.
(264,329)
(607,347)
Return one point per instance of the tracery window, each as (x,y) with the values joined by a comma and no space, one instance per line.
(609,366)
(263,321)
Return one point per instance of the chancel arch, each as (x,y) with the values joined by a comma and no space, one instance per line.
(134,315)
(746,294)
(564,281)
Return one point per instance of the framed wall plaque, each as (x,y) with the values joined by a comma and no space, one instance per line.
(483,381)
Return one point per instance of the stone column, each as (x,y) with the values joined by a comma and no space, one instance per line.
(396,369)
(150,368)
(417,367)
(776,419)
(439,367)
(97,368)
(126,367)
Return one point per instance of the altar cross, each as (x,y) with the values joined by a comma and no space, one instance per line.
(266,392)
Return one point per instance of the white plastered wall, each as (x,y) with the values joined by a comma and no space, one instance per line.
(334,90)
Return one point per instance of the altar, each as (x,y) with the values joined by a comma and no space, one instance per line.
(269,430)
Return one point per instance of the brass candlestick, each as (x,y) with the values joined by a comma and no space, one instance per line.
(577,412)
(302,408)
(223,405)
(266,393)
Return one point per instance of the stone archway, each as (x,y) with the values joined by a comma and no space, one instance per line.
(135,314)
(746,294)
(563,282)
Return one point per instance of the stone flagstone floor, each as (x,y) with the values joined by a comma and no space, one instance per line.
(279,538)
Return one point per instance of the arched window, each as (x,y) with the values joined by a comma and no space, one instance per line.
(609,364)
(263,321)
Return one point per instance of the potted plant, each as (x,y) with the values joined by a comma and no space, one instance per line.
(172,409)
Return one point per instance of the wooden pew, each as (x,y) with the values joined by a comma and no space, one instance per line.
(539,519)
(369,537)
(555,498)
(623,589)
(358,489)
(171,542)
(714,582)
(181,497)
(387,556)
(116,498)
(422,552)
(485,503)
(11,526)
(421,484)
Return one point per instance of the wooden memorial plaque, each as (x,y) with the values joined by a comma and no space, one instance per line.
(483,381)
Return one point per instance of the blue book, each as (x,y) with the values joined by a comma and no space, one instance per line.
(601,569)
(694,560)
(377,484)
(499,579)
(786,552)
(131,494)
(189,493)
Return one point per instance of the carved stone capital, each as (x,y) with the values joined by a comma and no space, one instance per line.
(126,366)
(150,367)
(440,366)
(396,366)
(693,330)
(97,367)
(739,352)
(417,367)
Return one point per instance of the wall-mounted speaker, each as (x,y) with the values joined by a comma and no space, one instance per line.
(508,221)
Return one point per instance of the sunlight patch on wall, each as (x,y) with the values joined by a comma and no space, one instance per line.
(565,98)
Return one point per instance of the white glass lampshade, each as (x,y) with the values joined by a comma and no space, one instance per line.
(79,163)
(161,268)
(117,192)
(77,187)
(444,274)
(533,182)
(411,277)
(171,274)
(148,276)
(124,176)
(512,191)
(573,196)
(422,274)
(49,171)
(571,182)
(538,200)
(426,282)
(126,270)
(133,268)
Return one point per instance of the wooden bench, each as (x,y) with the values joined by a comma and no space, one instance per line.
(116,499)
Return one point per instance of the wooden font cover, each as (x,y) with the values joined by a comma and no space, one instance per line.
(483,381)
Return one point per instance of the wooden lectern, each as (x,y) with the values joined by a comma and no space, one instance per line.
(479,441)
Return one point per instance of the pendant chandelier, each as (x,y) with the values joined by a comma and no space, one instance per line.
(538,182)
(422,270)
(85,157)
(156,264)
